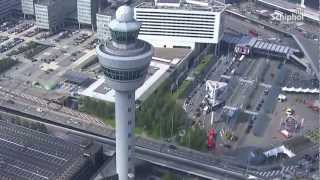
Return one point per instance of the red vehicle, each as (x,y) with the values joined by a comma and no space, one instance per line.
(212,134)
(253,33)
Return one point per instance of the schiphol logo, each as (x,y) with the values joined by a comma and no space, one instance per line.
(295,17)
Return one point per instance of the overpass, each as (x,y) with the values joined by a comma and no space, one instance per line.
(308,47)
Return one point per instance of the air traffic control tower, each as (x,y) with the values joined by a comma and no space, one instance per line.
(125,61)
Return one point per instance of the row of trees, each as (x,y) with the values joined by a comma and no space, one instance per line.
(6,64)
(101,109)
(194,138)
(160,115)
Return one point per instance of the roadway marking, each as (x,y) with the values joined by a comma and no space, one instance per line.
(28,171)
(33,149)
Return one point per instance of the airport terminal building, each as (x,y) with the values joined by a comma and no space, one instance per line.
(173,23)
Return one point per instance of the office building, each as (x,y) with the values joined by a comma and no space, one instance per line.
(50,15)
(27,7)
(103,19)
(125,61)
(7,6)
(173,23)
(87,10)
(29,154)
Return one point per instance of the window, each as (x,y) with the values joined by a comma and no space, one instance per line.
(125,75)
(123,37)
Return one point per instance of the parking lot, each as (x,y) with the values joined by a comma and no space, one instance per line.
(44,57)
(253,87)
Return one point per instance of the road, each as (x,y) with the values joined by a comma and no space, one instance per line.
(188,161)
(180,159)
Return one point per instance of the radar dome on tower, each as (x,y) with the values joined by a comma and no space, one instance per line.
(124,28)
(124,13)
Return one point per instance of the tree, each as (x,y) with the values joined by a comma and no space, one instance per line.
(170,176)
(195,138)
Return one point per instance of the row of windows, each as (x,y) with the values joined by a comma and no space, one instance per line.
(167,13)
(199,30)
(174,22)
(175,35)
(125,75)
(155,24)
(123,37)
(176,32)
(177,17)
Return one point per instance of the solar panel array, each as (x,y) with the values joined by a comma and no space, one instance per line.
(28,154)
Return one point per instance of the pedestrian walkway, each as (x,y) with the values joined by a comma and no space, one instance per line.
(274,173)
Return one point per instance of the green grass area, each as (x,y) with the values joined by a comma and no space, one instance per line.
(6,64)
(314,135)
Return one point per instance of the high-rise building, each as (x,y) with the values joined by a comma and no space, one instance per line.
(7,6)
(27,7)
(50,15)
(125,61)
(169,23)
(103,19)
(87,10)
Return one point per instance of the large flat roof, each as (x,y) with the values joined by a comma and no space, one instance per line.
(107,11)
(162,59)
(171,53)
(217,7)
(45,2)
(29,154)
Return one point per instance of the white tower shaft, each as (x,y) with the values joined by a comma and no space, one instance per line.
(125,115)
(125,60)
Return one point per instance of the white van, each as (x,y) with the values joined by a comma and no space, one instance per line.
(282,98)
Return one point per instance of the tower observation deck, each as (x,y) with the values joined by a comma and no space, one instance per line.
(125,61)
